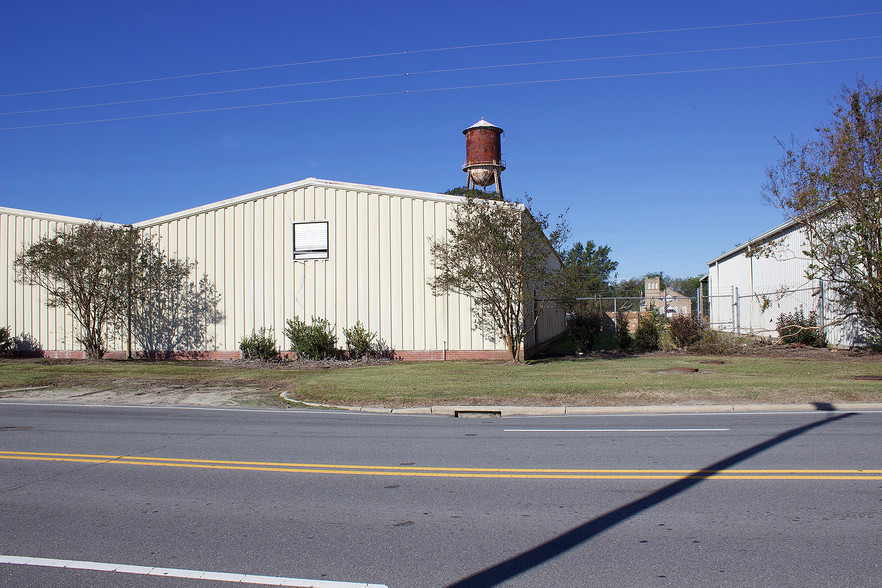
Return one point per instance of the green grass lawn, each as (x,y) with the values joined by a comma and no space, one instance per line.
(630,380)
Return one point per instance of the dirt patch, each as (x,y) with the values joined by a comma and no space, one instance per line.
(148,394)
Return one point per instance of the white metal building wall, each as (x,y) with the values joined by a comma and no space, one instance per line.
(23,308)
(749,293)
(376,272)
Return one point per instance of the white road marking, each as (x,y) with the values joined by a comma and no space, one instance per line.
(605,430)
(179,573)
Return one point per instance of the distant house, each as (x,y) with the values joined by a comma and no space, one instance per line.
(668,301)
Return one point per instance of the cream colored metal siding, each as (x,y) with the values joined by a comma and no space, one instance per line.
(24,308)
(376,273)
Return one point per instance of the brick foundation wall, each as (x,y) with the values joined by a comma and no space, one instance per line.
(210,355)
(451,355)
(404,355)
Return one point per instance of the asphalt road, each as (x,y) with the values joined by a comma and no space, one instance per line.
(784,499)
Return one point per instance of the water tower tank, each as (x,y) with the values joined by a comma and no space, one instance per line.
(484,155)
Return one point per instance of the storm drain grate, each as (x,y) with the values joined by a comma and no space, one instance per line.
(477,413)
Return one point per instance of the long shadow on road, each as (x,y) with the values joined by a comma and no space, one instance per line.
(540,554)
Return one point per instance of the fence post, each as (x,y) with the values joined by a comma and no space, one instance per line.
(736,312)
(615,314)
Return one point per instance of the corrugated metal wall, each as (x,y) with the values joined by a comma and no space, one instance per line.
(376,272)
(748,294)
(23,308)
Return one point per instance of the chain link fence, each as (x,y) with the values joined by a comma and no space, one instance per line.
(671,307)
(756,314)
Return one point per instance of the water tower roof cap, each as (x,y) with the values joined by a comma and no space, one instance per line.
(482,124)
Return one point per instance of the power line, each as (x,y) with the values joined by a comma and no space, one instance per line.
(439,71)
(446,89)
(442,49)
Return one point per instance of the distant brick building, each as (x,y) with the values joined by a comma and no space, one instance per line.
(669,302)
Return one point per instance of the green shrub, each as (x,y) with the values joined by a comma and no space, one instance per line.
(665,341)
(359,341)
(623,330)
(22,345)
(584,328)
(5,342)
(712,342)
(313,341)
(25,345)
(798,328)
(260,345)
(648,328)
(381,350)
(684,331)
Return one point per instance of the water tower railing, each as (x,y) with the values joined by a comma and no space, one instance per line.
(495,162)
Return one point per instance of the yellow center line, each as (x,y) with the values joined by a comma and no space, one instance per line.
(450,472)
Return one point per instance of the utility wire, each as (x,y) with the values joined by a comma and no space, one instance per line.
(446,89)
(442,49)
(439,71)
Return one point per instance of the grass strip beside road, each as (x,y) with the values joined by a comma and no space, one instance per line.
(634,380)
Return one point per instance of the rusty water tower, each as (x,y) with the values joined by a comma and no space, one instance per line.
(484,164)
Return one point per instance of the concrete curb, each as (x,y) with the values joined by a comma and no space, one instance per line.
(493,410)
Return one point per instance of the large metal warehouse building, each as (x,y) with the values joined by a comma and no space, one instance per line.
(751,285)
(314,248)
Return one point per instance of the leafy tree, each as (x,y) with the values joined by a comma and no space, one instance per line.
(588,269)
(832,185)
(473,193)
(84,270)
(497,254)
(629,288)
(649,328)
(583,326)
(685,286)
(114,280)
(169,312)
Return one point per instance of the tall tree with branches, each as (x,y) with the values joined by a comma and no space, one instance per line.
(115,281)
(589,269)
(497,253)
(832,185)
(84,269)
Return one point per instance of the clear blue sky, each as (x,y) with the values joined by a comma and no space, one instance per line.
(659,161)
